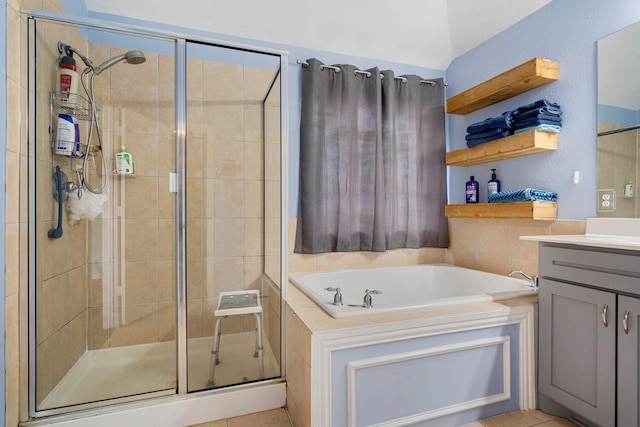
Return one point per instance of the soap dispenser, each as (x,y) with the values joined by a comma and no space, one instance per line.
(493,186)
(472,190)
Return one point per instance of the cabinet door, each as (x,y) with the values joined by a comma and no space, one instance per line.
(577,339)
(628,372)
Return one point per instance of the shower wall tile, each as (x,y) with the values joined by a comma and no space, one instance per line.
(194,318)
(229,237)
(257,82)
(14,114)
(229,274)
(142,239)
(195,157)
(227,161)
(12,187)
(140,198)
(253,241)
(51,307)
(194,79)
(98,334)
(253,199)
(194,278)
(223,122)
(140,327)
(253,267)
(222,82)
(133,113)
(166,321)
(12,259)
(195,200)
(77,292)
(254,123)
(166,155)
(12,333)
(135,77)
(166,281)
(254,161)
(195,122)
(166,200)
(229,198)
(166,239)
(141,282)
(144,149)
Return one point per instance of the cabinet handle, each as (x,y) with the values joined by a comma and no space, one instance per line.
(604,315)
(625,322)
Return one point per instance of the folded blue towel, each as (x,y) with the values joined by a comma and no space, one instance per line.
(504,121)
(473,142)
(537,104)
(535,111)
(547,117)
(536,122)
(523,195)
(489,132)
(542,127)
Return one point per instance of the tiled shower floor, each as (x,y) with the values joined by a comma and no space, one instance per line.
(104,374)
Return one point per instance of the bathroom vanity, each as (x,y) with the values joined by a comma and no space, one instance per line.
(589,321)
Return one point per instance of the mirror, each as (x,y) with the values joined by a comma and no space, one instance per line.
(619,123)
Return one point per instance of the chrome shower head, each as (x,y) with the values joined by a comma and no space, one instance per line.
(131,57)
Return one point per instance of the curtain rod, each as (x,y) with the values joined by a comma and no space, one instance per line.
(367,73)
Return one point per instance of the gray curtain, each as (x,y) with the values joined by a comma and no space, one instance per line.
(363,163)
(414,157)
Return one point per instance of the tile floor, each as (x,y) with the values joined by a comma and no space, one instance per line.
(279,418)
(523,419)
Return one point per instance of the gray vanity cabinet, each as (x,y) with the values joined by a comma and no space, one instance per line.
(589,311)
(628,360)
(577,353)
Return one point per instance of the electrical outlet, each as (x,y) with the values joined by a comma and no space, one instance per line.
(607,200)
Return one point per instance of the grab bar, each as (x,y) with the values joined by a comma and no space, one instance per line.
(56,233)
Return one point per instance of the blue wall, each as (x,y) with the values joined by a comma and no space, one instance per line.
(565,31)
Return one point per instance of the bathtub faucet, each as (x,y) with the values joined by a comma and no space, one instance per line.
(368,303)
(337,298)
(533,280)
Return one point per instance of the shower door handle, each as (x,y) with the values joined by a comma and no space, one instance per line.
(173,182)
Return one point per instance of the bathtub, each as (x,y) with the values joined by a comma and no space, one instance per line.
(406,287)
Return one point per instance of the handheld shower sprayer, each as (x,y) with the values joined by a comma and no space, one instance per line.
(130,57)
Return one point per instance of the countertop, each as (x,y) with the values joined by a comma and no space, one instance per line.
(611,233)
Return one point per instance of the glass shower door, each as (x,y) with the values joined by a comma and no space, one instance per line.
(233,309)
(104,283)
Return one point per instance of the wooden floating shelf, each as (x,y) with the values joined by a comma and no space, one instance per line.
(536,210)
(526,76)
(522,144)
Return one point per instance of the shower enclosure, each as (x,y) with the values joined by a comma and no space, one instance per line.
(127,271)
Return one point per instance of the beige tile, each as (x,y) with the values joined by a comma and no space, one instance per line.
(141,282)
(141,326)
(222,82)
(273,418)
(512,419)
(229,198)
(560,422)
(219,423)
(541,415)
(224,122)
(474,424)
(229,238)
(12,258)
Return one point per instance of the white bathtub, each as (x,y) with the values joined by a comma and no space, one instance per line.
(406,287)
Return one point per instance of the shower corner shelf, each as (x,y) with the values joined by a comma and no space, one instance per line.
(80,109)
(529,75)
(534,210)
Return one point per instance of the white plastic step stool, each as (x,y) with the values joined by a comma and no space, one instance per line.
(231,304)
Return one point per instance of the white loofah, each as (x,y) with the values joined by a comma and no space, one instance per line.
(87,207)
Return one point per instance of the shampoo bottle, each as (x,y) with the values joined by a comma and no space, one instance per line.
(67,135)
(67,79)
(493,186)
(124,162)
(472,190)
